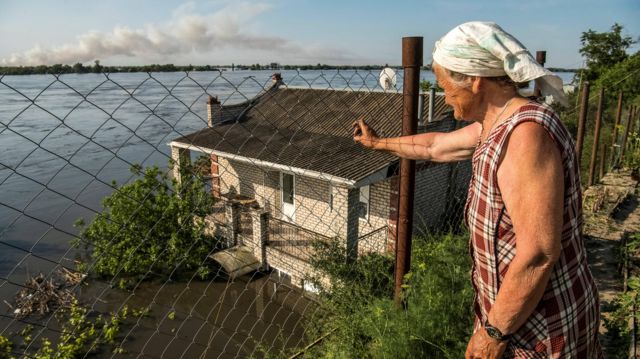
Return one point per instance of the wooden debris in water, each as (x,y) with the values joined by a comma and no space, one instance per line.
(42,295)
(70,277)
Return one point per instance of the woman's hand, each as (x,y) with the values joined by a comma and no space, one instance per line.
(482,346)
(364,134)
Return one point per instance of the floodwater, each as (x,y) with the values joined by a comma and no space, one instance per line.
(64,140)
(214,319)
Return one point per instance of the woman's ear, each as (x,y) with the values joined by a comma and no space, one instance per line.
(476,83)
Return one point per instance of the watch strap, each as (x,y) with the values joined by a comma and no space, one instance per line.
(495,333)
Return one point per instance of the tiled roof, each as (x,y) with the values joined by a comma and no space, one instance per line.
(310,129)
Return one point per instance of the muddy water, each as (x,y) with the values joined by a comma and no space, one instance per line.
(215,319)
(196,319)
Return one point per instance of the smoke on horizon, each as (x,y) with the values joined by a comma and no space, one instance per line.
(187,33)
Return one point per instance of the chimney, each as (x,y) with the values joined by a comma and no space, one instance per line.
(214,109)
(276,79)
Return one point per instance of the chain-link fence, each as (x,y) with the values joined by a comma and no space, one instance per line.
(217,214)
(185,214)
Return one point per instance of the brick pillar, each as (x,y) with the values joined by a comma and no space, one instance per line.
(393,214)
(260,220)
(181,157)
(214,109)
(215,177)
(353,206)
(232,215)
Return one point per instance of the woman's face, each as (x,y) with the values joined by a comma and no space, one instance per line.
(461,98)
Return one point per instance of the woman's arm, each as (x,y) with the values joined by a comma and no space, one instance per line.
(531,182)
(433,146)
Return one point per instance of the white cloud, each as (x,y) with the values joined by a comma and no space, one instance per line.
(187,34)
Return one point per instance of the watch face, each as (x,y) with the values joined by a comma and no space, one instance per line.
(494,333)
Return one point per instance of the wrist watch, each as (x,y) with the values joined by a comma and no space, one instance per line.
(495,333)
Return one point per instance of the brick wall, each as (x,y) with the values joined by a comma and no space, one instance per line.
(313,209)
(378,207)
(240,178)
(294,267)
(311,200)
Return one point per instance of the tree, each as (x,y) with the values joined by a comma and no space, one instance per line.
(602,50)
(97,68)
(79,68)
(56,69)
(623,76)
(150,226)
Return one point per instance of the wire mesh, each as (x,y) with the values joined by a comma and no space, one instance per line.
(283,182)
(283,179)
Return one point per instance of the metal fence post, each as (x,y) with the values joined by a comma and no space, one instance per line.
(635,119)
(541,58)
(411,63)
(596,139)
(614,135)
(603,160)
(582,120)
(626,134)
(632,126)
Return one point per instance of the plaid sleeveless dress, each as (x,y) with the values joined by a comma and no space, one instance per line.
(565,322)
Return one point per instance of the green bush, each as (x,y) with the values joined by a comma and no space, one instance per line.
(81,334)
(624,76)
(359,313)
(623,307)
(632,157)
(150,226)
(6,347)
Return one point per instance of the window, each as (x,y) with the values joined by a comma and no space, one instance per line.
(287,188)
(364,203)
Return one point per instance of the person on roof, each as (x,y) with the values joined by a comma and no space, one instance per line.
(535,296)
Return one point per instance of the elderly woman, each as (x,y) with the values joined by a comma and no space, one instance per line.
(535,296)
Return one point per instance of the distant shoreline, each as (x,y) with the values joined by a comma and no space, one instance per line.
(78,68)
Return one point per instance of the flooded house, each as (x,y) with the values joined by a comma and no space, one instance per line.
(285,172)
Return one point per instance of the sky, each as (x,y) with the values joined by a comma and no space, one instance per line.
(221,32)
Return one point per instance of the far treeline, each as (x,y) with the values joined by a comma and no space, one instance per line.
(79,68)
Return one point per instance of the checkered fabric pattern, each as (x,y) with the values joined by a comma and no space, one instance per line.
(565,322)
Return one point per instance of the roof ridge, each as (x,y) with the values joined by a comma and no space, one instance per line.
(279,85)
(250,103)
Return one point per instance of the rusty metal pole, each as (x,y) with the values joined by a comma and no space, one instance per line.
(541,58)
(603,160)
(632,128)
(582,120)
(623,147)
(596,139)
(634,111)
(411,63)
(614,135)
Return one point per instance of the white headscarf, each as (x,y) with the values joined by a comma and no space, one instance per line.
(484,49)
